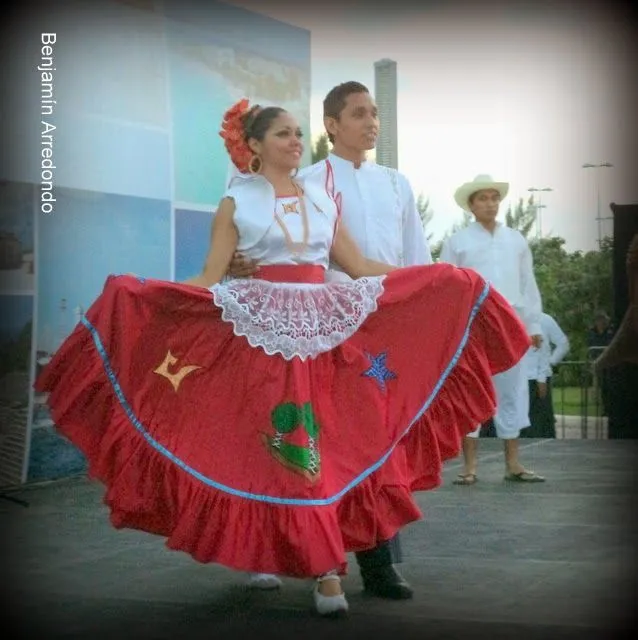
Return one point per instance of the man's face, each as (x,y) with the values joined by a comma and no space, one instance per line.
(358,125)
(484,205)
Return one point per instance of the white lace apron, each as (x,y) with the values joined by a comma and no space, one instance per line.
(297,320)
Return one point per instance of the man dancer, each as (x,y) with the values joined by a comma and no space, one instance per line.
(501,255)
(379,210)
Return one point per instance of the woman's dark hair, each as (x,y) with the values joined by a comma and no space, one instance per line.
(257,121)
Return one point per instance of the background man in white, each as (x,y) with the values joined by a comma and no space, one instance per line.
(539,363)
(501,255)
(378,208)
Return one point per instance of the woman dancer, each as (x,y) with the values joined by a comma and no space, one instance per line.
(218,412)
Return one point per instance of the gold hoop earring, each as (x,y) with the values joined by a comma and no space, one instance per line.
(251,164)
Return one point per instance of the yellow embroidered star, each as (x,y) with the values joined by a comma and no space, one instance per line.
(174,378)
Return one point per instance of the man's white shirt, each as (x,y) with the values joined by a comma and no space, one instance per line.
(504,259)
(539,362)
(379,211)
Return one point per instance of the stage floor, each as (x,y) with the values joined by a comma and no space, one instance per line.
(495,560)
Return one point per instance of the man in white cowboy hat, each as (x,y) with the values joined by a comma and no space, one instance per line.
(502,256)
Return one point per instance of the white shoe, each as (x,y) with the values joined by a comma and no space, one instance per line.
(333,606)
(264,581)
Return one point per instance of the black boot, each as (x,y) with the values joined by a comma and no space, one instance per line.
(380,577)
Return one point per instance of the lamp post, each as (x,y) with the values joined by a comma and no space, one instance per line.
(539,206)
(539,215)
(599,220)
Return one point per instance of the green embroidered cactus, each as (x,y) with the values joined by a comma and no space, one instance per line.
(287,418)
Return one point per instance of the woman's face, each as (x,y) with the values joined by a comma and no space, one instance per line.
(282,146)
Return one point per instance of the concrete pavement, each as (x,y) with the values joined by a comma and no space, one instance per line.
(495,560)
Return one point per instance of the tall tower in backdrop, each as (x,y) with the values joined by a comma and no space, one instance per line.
(385,92)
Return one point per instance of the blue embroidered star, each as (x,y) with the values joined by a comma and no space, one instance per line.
(378,370)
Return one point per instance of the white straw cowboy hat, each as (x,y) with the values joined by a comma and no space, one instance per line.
(482,181)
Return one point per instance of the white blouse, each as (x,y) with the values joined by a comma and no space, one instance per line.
(261,236)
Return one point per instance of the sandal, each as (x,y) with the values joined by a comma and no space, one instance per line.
(524,476)
(466,479)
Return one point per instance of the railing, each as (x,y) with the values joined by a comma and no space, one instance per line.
(578,395)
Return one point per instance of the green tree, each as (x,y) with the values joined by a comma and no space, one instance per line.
(321,148)
(522,217)
(425,213)
(573,286)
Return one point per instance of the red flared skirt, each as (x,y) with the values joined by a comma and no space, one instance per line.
(241,453)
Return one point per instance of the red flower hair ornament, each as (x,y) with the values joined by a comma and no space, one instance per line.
(233,133)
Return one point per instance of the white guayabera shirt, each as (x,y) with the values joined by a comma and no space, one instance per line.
(378,209)
(505,260)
